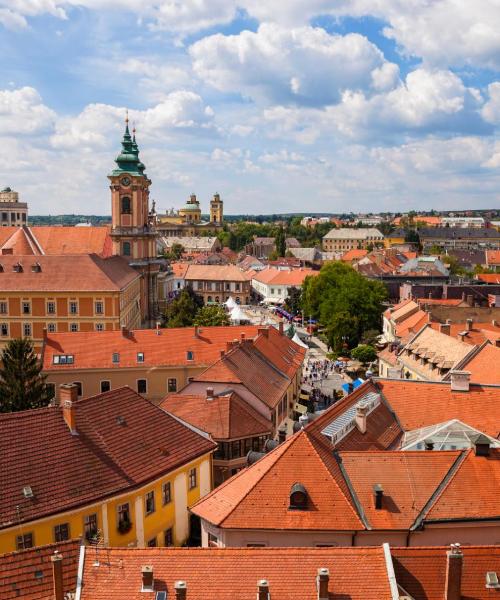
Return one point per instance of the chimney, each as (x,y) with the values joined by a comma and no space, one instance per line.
(281,435)
(470,299)
(280,327)
(147,579)
(494,322)
(445,328)
(469,324)
(242,336)
(229,345)
(68,393)
(180,590)
(44,334)
(124,332)
(263,590)
(222,353)
(263,331)
(196,331)
(322,583)
(210,393)
(460,381)
(429,444)
(452,590)
(57,575)
(360,419)
(378,494)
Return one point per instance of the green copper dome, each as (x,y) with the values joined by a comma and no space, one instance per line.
(128,159)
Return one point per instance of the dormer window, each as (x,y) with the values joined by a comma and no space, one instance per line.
(140,357)
(116,357)
(298,497)
(190,355)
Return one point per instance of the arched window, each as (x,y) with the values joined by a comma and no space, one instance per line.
(238,301)
(209,299)
(125,205)
(298,497)
(217,299)
(126,249)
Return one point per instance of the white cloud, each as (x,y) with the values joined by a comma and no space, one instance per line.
(304,65)
(22,111)
(491,110)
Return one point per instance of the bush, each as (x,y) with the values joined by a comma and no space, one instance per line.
(364,353)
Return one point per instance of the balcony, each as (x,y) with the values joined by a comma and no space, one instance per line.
(134,231)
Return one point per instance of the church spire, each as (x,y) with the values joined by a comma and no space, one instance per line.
(128,159)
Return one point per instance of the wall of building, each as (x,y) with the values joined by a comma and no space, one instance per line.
(144,527)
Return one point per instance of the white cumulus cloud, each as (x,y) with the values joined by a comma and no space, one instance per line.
(22,111)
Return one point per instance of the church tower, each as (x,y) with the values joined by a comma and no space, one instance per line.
(133,228)
(216,210)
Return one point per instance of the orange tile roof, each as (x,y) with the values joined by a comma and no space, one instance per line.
(6,233)
(244,364)
(479,333)
(179,269)
(489,277)
(413,323)
(422,571)
(74,240)
(20,243)
(402,311)
(258,497)
(409,479)
(214,273)
(472,491)
(27,574)
(224,417)
(279,349)
(484,366)
(66,471)
(419,404)
(72,273)
(439,301)
(94,349)
(233,573)
(353,254)
(284,277)
(493,257)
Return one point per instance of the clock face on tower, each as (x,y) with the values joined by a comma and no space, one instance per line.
(125,181)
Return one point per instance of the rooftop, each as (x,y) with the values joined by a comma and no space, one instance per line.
(214,273)
(272,276)
(358,233)
(65,470)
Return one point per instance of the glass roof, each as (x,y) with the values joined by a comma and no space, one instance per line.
(450,435)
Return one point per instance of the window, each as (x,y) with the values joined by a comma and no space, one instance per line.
(61,532)
(192,479)
(3,308)
(4,329)
(142,386)
(26,308)
(90,526)
(209,299)
(150,502)
(62,359)
(99,327)
(105,386)
(73,308)
(51,308)
(140,357)
(99,308)
(237,287)
(125,205)
(256,545)
(166,490)
(73,327)
(116,357)
(124,523)
(126,249)
(152,543)
(172,385)
(78,387)
(24,541)
(190,355)
(51,327)
(27,329)
(168,536)
(228,287)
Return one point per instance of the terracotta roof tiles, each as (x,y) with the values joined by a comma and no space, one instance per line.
(214,273)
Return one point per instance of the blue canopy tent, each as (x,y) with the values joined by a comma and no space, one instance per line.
(356,383)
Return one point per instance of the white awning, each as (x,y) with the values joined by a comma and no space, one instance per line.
(299,342)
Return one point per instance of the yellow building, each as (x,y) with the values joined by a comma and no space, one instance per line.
(66,293)
(112,469)
(395,238)
(187,220)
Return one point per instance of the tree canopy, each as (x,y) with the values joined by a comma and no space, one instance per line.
(344,302)
(293,301)
(182,311)
(364,353)
(211,316)
(21,384)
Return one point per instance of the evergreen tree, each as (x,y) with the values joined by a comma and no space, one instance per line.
(280,242)
(182,311)
(21,384)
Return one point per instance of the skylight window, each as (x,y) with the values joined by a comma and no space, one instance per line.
(140,357)
(116,357)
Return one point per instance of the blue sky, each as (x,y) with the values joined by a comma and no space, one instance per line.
(314,105)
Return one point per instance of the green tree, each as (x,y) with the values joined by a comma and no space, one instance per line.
(364,353)
(211,316)
(344,302)
(293,301)
(412,236)
(370,337)
(176,251)
(182,311)
(280,242)
(22,386)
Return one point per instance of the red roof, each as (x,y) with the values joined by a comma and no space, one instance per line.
(284,277)
(72,273)
(258,497)
(179,269)
(484,366)
(224,417)
(493,257)
(489,277)
(440,301)
(233,573)
(94,349)
(354,254)
(419,404)
(214,273)
(479,332)
(28,574)
(106,458)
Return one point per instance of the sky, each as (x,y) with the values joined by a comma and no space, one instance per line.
(286,106)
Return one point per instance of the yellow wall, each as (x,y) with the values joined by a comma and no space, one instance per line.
(393,241)
(153,525)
